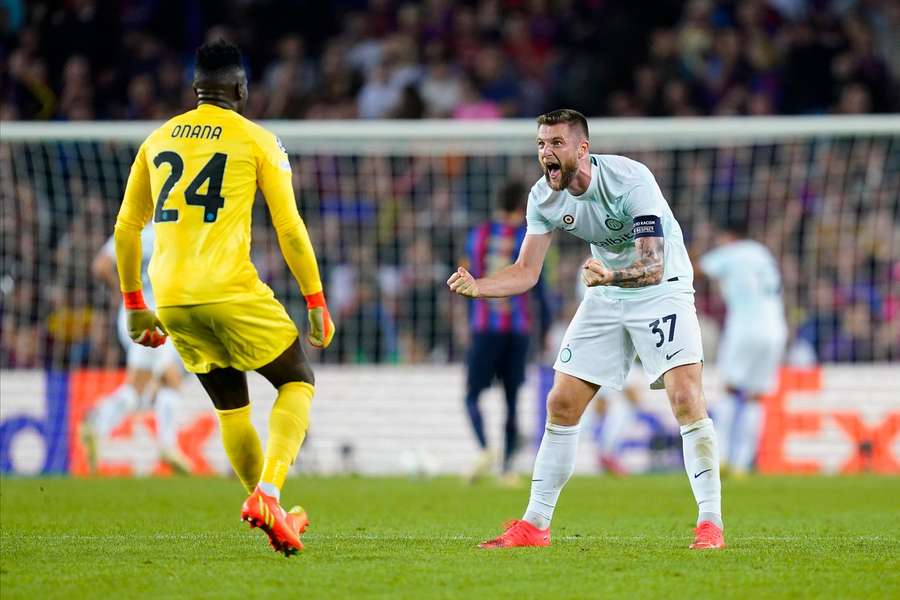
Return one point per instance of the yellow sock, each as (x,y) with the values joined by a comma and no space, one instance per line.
(287,429)
(242,445)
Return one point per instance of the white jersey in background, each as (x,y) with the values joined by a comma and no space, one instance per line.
(755,332)
(658,323)
(138,356)
(147,241)
(751,286)
(620,190)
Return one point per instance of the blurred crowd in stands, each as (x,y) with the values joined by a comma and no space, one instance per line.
(388,231)
(117,59)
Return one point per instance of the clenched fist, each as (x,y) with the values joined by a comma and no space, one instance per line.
(145,328)
(595,273)
(463,283)
(321,327)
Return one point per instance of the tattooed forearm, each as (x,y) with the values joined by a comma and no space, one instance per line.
(647,269)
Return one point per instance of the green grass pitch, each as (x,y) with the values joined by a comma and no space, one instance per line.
(808,537)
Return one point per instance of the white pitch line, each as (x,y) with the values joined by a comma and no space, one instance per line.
(448,538)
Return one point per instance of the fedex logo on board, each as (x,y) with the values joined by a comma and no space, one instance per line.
(40,419)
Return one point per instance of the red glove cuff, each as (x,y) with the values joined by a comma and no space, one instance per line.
(316,300)
(134,300)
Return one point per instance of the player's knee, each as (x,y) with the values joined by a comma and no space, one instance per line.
(171,377)
(686,403)
(139,379)
(562,408)
(304,374)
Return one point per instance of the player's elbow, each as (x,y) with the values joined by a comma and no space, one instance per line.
(528,275)
(126,230)
(530,278)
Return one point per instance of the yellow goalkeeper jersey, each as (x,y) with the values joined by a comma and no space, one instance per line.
(196,177)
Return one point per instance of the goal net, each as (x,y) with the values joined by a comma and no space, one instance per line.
(389,206)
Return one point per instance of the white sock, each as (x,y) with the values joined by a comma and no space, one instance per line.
(113,408)
(616,421)
(553,466)
(746,434)
(701,461)
(725,414)
(167,401)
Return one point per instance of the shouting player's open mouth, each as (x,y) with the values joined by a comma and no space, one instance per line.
(553,173)
(556,174)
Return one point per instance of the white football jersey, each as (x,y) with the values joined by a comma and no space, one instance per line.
(620,190)
(147,240)
(748,277)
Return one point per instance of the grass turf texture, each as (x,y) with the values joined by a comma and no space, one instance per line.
(787,537)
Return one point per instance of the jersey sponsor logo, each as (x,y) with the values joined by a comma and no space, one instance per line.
(565,355)
(615,241)
(203,132)
(614,224)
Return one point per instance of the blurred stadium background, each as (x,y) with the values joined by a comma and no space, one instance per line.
(403,120)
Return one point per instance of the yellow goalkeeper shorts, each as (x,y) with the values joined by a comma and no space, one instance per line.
(243,334)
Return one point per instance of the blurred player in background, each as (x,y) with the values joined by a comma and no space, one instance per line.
(499,327)
(641,303)
(152,374)
(197,177)
(753,340)
(615,412)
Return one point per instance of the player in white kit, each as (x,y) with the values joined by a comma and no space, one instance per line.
(641,303)
(753,339)
(151,374)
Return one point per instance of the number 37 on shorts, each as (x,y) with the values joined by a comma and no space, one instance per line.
(606,334)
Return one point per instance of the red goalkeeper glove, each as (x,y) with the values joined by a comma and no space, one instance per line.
(144,327)
(321,327)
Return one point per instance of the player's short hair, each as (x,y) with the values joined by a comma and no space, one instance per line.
(511,196)
(736,224)
(570,116)
(218,55)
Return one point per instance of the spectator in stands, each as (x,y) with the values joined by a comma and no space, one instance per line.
(423,307)
(289,80)
(441,89)
(368,333)
(483,61)
(474,106)
(704,57)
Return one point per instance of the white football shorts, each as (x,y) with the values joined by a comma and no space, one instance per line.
(605,335)
(145,358)
(749,360)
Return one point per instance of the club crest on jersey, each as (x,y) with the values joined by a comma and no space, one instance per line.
(568,222)
(614,224)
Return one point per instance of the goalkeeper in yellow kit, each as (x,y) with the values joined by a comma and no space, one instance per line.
(196,177)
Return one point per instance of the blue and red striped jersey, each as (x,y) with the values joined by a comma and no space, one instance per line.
(490,247)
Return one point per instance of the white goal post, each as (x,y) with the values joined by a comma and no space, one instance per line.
(493,137)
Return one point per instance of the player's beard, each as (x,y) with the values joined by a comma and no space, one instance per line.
(567,172)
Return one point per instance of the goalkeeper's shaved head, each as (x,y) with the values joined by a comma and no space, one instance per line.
(219,76)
